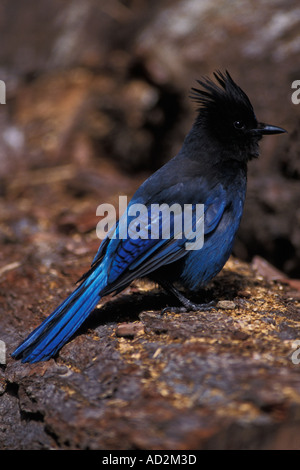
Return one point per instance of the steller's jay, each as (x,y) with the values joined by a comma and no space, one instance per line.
(210,169)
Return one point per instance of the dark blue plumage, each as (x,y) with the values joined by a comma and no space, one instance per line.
(210,169)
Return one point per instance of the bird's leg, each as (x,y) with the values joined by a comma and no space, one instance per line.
(188,305)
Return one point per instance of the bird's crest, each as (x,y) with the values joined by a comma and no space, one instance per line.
(212,95)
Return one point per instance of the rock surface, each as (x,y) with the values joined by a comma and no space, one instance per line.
(134,378)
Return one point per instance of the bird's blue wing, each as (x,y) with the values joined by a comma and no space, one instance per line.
(138,257)
(214,209)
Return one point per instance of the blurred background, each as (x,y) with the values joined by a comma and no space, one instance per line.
(97,99)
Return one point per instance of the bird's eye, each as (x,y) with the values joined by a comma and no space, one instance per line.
(239,125)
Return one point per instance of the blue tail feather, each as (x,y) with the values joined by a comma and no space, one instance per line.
(58,328)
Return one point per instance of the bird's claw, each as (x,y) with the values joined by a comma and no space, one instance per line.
(190,307)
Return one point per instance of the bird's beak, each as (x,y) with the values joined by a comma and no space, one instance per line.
(264,129)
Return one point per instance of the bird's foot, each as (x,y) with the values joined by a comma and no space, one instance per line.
(191,307)
(187,305)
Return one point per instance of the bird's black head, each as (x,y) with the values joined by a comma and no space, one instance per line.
(226,113)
